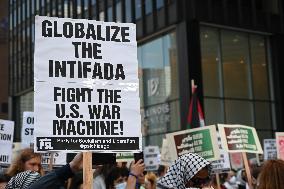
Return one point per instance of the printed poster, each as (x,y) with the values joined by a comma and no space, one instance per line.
(6,141)
(280,144)
(86,86)
(151,158)
(221,165)
(166,157)
(202,141)
(28,130)
(270,149)
(239,138)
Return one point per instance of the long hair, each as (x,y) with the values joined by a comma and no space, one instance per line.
(19,164)
(271,175)
(151,177)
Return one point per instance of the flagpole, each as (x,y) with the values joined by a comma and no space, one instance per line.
(192,86)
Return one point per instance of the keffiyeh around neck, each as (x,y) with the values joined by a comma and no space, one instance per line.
(183,169)
(23,180)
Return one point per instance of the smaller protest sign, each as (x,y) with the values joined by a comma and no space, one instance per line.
(236,161)
(6,141)
(280,144)
(202,141)
(151,158)
(166,158)
(124,157)
(222,165)
(269,147)
(28,129)
(59,158)
(239,138)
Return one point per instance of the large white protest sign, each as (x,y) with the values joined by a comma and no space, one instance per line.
(6,141)
(151,158)
(202,141)
(86,86)
(269,148)
(28,129)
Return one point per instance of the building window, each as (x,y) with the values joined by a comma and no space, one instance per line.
(138,8)
(159,87)
(128,10)
(235,72)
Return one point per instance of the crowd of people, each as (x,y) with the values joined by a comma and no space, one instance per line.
(188,171)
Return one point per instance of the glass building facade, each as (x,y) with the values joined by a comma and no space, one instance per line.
(237,79)
(230,48)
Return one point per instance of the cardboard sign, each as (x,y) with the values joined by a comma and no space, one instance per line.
(270,150)
(151,158)
(280,144)
(86,86)
(202,141)
(166,157)
(124,157)
(221,165)
(28,129)
(6,141)
(239,138)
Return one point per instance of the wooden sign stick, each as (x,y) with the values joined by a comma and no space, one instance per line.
(245,159)
(87,170)
(218,181)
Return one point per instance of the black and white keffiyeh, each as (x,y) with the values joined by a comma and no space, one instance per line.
(183,169)
(23,180)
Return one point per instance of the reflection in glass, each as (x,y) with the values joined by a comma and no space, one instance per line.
(235,64)
(262,115)
(259,67)
(158,76)
(214,111)
(138,9)
(160,4)
(128,11)
(239,112)
(148,6)
(210,61)
(118,12)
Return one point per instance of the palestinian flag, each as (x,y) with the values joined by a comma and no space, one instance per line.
(195,116)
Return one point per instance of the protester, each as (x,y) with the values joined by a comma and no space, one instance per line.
(26,160)
(230,180)
(254,174)
(23,180)
(140,182)
(161,171)
(100,175)
(77,181)
(242,179)
(135,170)
(189,170)
(116,179)
(150,181)
(271,175)
(4,179)
(56,179)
